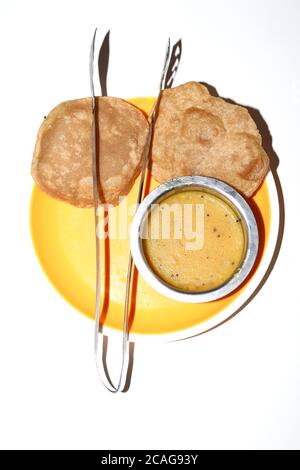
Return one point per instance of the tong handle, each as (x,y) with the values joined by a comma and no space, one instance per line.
(101,340)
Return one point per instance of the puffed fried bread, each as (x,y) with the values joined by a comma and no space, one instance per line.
(62,160)
(199,134)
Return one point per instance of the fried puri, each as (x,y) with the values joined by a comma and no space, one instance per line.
(198,134)
(62,160)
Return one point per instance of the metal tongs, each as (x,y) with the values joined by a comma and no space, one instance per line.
(170,67)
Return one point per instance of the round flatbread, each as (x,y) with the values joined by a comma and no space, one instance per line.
(62,160)
(198,134)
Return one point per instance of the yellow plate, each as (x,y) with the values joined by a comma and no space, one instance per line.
(64,241)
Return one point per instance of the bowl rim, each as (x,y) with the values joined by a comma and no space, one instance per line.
(225,192)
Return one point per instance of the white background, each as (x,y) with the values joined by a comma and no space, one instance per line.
(235,387)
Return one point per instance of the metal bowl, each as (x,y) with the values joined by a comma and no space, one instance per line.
(219,189)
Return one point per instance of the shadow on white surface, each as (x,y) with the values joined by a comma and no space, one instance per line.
(274,163)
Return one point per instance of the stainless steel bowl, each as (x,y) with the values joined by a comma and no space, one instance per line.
(233,199)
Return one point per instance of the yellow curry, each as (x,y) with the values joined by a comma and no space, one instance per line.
(193,240)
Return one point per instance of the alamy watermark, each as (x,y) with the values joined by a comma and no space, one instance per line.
(164,221)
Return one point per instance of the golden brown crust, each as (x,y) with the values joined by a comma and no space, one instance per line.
(62,160)
(198,134)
